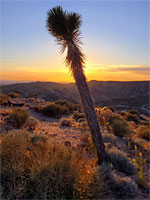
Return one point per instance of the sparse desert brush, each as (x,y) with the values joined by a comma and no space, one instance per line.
(54,110)
(104,115)
(110,138)
(13,95)
(119,126)
(31,123)
(18,116)
(117,186)
(143,132)
(71,106)
(144,123)
(38,108)
(4,99)
(33,168)
(124,188)
(133,112)
(121,162)
(77,115)
(66,122)
(132,117)
(5,111)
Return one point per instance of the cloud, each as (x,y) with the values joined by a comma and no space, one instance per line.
(129,68)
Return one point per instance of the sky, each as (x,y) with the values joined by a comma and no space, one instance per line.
(115,36)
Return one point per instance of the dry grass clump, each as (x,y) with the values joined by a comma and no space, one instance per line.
(119,126)
(34,168)
(117,186)
(4,99)
(110,138)
(144,123)
(13,95)
(54,109)
(71,106)
(18,117)
(134,112)
(104,115)
(133,117)
(31,123)
(66,122)
(77,116)
(143,132)
(124,188)
(121,162)
(5,111)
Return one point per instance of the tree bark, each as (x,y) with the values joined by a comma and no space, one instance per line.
(89,109)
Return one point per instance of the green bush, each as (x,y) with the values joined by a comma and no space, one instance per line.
(120,161)
(54,110)
(18,116)
(143,132)
(120,126)
(33,168)
(133,117)
(4,99)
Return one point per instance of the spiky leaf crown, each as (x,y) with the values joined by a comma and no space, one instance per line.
(64,26)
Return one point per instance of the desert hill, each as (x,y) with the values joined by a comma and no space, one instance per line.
(122,95)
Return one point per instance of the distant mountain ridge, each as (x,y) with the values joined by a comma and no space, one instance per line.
(123,95)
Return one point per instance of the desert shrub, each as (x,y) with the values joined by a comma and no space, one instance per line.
(133,117)
(143,132)
(4,99)
(66,122)
(133,112)
(119,126)
(112,108)
(77,115)
(18,116)
(144,123)
(124,188)
(71,106)
(13,95)
(110,138)
(122,113)
(54,109)
(38,108)
(119,187)
(5,111)
(120,161)
(33,168)
(31,123)
(104,115)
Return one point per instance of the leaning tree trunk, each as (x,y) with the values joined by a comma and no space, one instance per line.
(87,103)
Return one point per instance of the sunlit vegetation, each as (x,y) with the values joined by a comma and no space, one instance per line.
(36,166)
(120,126)
(4,99)
(32,168)
(54,109)
(18,117)
(144,132)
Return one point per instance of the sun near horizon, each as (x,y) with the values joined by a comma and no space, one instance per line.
(115,40)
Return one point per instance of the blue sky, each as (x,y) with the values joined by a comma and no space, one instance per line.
(115,33)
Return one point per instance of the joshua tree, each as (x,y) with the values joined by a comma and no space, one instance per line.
(64,26)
